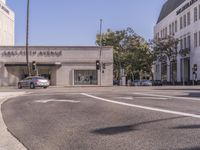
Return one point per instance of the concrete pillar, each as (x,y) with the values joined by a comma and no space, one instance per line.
(168,71)
(179,69)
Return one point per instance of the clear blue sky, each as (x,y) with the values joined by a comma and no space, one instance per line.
(76,22)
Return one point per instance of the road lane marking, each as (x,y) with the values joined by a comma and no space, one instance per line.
(127,98)
(132,98)
(171,97)
(56,100)
(143,107)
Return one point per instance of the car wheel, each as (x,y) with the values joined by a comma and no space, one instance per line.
(45,87)
(32,86)
(19,86)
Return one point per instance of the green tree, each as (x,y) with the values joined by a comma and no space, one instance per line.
(131,52)
(165,47)
(165,50)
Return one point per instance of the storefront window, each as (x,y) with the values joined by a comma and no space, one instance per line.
(173,71)
(164,72)
(85,77)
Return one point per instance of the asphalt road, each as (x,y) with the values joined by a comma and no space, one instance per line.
(108,119)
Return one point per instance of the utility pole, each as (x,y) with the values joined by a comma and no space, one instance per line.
(100,52)
(27,39)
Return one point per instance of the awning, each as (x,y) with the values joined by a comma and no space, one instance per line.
(38,64)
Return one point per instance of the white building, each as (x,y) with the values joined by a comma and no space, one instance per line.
(62,65)
(7,21)
(181,19)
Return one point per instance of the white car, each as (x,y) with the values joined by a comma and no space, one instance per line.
(33,81)
(146,83)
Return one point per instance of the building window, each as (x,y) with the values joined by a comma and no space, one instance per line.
(173,28)
(157,67)
(170,29)
(163,33)
(188,40)
(181,44)
(184,21)
(166,32)
(185,42)
(174,71)
(85,77)
(158,35)
(199,11)
(195,39)
(188,18)
(195,14)
(181,23)
(199,38)
(164,71)
(176,29)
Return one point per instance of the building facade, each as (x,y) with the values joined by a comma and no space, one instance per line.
(180,19)
(63,66)
(7,21)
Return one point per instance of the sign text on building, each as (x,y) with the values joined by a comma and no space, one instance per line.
(187,5)
(11,53)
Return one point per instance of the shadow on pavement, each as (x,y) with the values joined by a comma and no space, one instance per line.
(182,89)
(194,94)
(187,127)
(192,148)
(114,130)
(127,128)
(190,94)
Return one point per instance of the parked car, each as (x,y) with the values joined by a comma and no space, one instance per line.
(33,81)
(157,83)
(115,82)
(136,83)
(146,83)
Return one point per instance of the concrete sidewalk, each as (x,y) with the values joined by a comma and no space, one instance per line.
(7,141)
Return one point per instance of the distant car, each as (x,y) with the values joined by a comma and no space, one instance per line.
(157,83)
(136,83)
(115,82)
(33,81)
(146,83)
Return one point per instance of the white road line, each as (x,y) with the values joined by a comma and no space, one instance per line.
(56,100)
(172,97)
(143,107)
(132,98)
(127,98)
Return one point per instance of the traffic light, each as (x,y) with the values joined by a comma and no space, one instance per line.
(195,67)
(98,65)
(34,64)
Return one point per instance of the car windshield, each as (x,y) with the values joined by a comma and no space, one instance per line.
(27,78)
(38,77)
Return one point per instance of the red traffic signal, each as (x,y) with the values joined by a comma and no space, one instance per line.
(97,65)
(34,64)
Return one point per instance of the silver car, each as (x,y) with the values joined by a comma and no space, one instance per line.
(33,81)
(146,83)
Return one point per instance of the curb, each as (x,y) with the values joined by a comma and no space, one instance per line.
(8,141)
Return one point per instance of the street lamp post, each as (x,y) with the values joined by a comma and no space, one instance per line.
(27,39)
(100,51)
